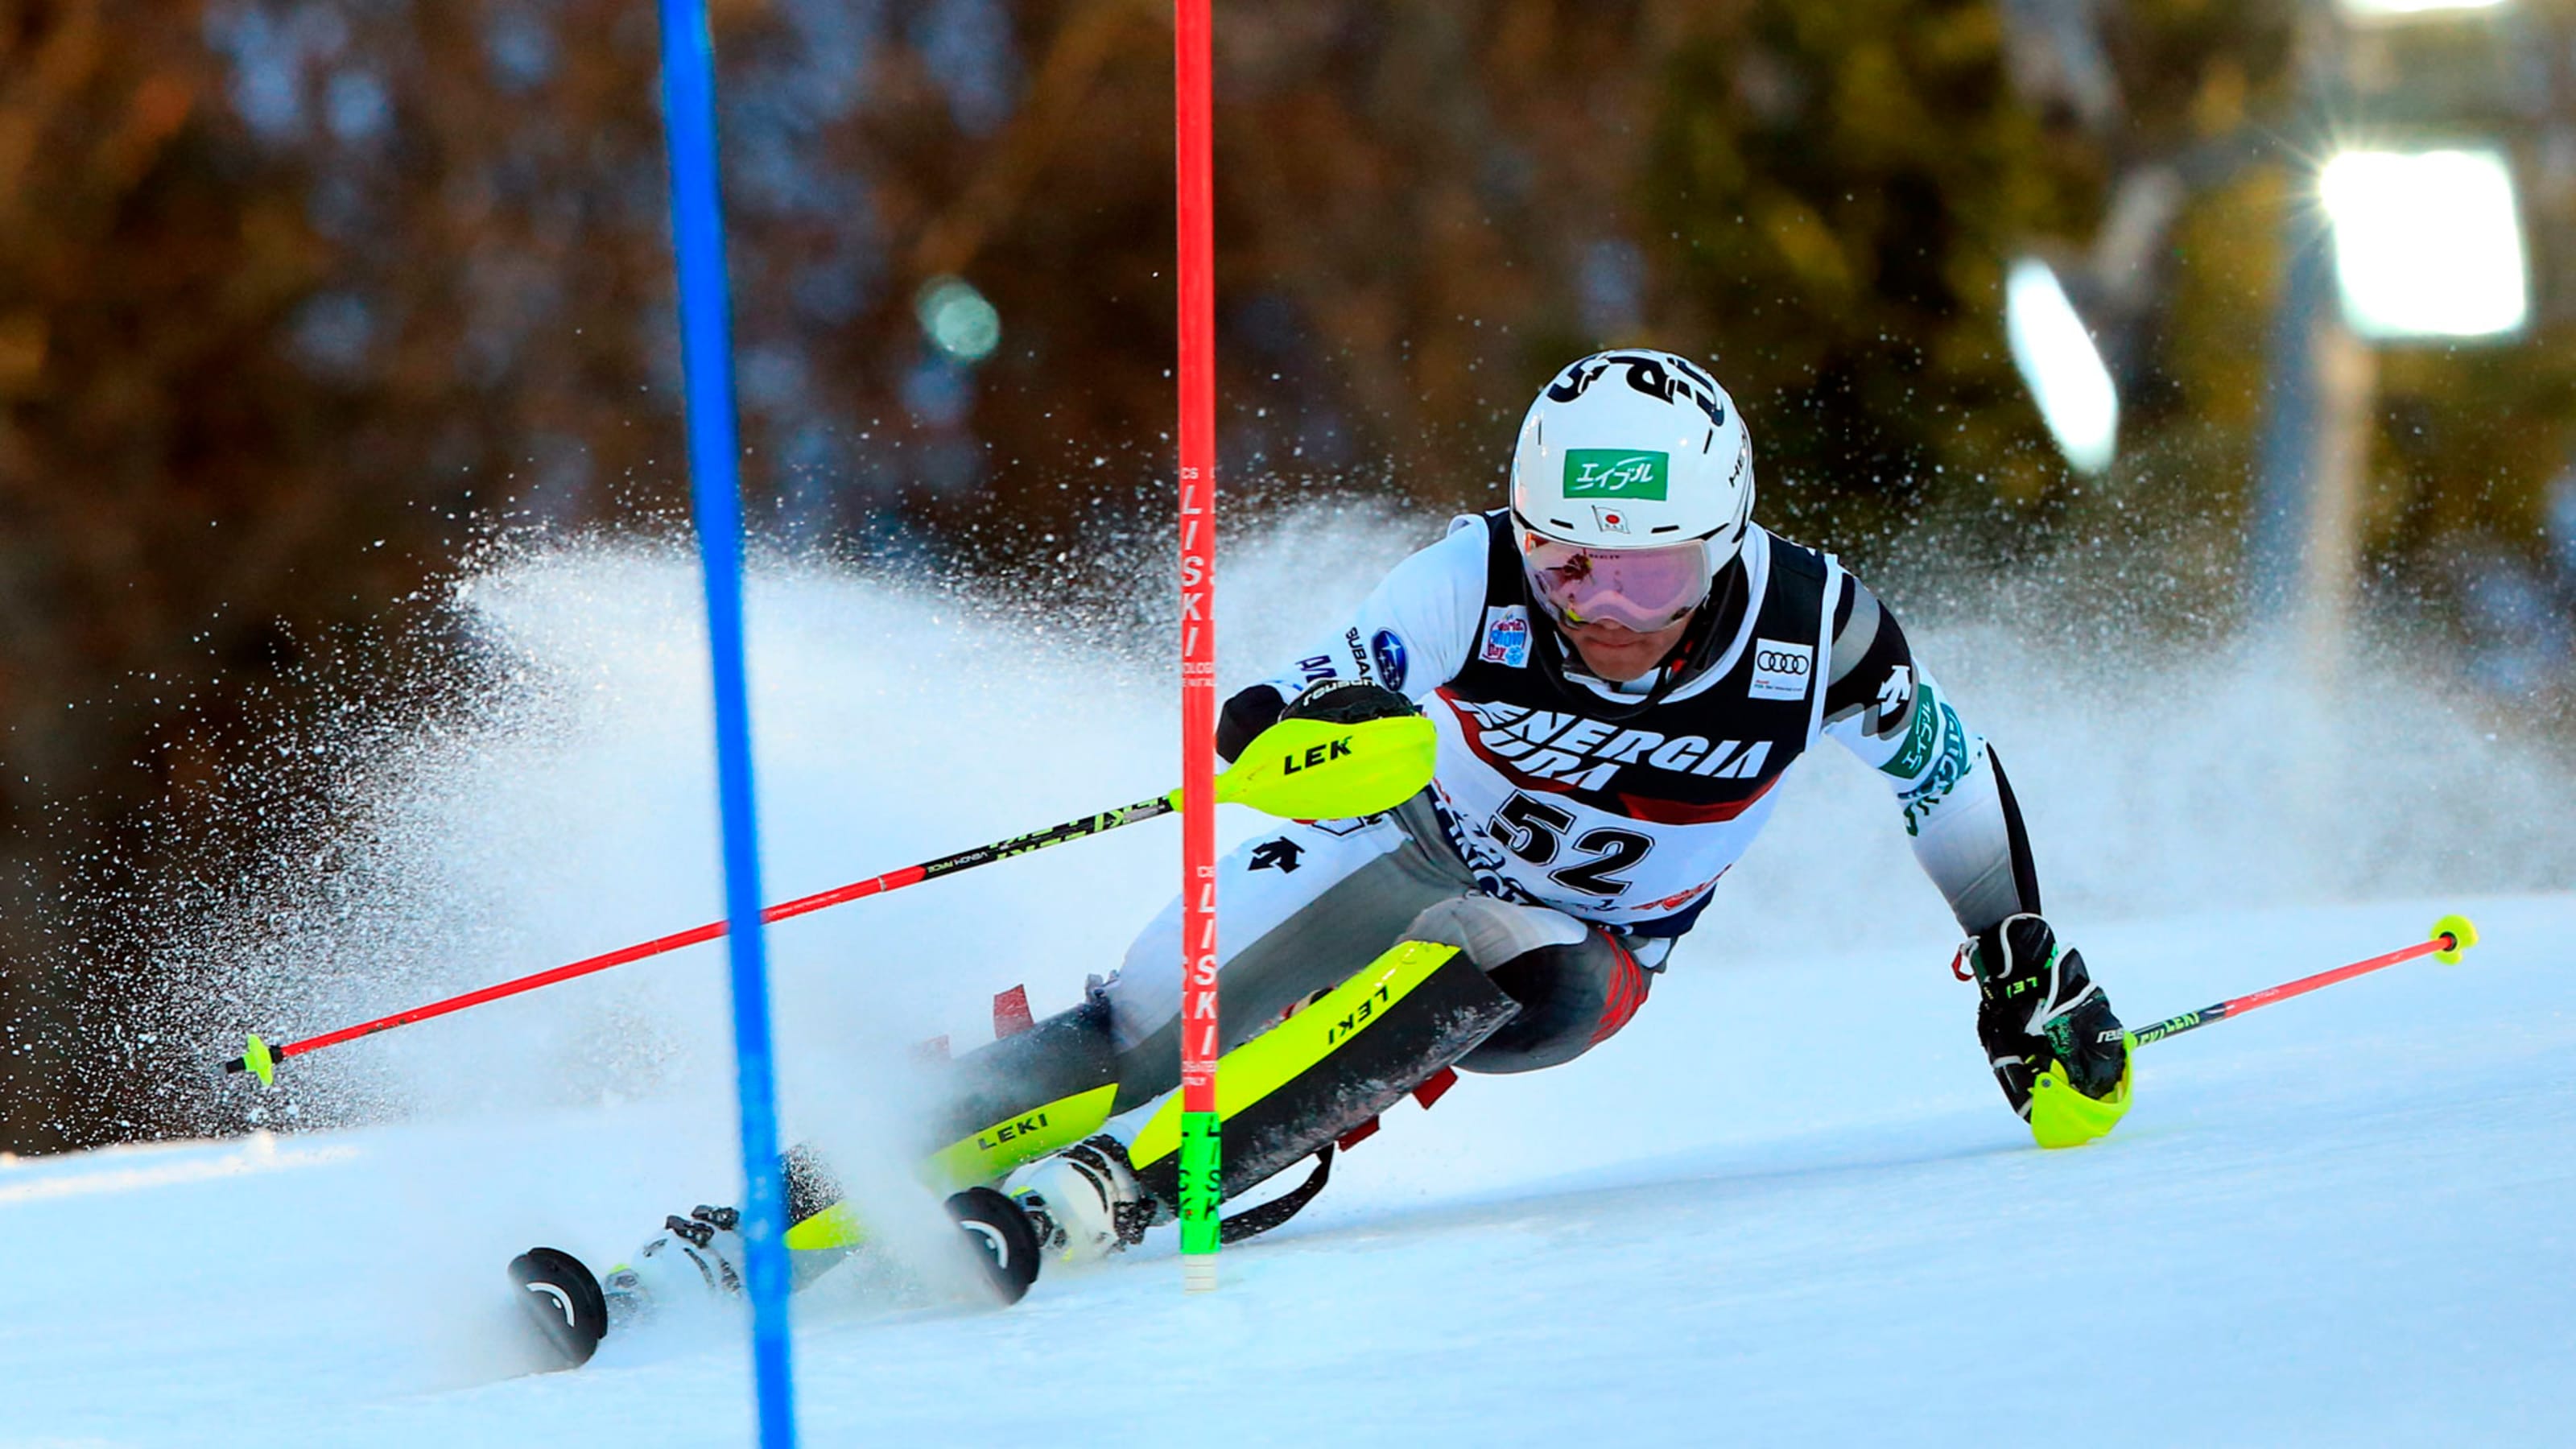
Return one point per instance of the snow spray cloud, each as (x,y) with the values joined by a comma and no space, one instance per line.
(2160,780)
(558,802)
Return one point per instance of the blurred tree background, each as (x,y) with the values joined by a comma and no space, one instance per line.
(299,299)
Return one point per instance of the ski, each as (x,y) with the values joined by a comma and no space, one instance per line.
(1007,1241)
(563,1301)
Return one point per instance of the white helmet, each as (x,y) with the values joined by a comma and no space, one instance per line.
(1631,450)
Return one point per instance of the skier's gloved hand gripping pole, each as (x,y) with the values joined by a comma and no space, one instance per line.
(2063,1115)
(1301,768)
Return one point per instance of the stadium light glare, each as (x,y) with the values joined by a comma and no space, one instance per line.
(2426,243)
(2061,366)
(2402,9)
(957,319)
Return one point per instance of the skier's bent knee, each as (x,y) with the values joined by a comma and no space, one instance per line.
(1576,984)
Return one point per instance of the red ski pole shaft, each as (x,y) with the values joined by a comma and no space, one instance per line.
(1298,769)
(261,1058)
(2451,936)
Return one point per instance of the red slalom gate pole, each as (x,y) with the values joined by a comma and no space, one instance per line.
(1192,109)
(2451,936)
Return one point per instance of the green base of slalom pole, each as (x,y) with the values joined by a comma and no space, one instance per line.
(1201,1196)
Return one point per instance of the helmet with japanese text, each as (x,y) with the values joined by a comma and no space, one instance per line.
(1632,482)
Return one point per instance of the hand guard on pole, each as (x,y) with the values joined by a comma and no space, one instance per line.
(2056,1048)
(1334,701)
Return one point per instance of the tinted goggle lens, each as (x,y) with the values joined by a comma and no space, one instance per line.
(1644,589)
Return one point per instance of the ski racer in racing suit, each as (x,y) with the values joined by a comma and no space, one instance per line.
(1621,667)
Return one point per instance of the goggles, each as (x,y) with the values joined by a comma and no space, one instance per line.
(1644,589)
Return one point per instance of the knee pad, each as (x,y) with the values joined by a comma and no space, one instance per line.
(1575,983)
(1572,999)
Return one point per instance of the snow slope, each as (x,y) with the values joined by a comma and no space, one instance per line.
(1785,1206)
(2344,1219)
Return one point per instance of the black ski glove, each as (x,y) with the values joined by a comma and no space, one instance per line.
(1247,714)
(2038,1005)
(1347,701)
(1336,701)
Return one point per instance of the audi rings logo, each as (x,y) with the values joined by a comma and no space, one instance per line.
(1777,661)
(1780,669)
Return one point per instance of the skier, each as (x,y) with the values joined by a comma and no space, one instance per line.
(1621,666)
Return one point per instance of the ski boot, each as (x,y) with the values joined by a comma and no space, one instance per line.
(700,1257)
(695,1257)
(693,1260)
(1083,1202)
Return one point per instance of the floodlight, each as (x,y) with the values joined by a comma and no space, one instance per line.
(2394,9)
(957,319)
(2061,366)
(2427,243)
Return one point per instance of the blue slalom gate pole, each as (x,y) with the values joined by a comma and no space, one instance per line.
(706,352)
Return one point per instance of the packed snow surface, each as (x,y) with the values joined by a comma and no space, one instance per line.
(1786,1205)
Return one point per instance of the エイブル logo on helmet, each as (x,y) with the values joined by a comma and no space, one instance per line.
(1780,671)
(1507,637)
(1617,473)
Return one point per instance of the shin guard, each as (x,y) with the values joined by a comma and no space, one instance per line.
(1296,1088)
